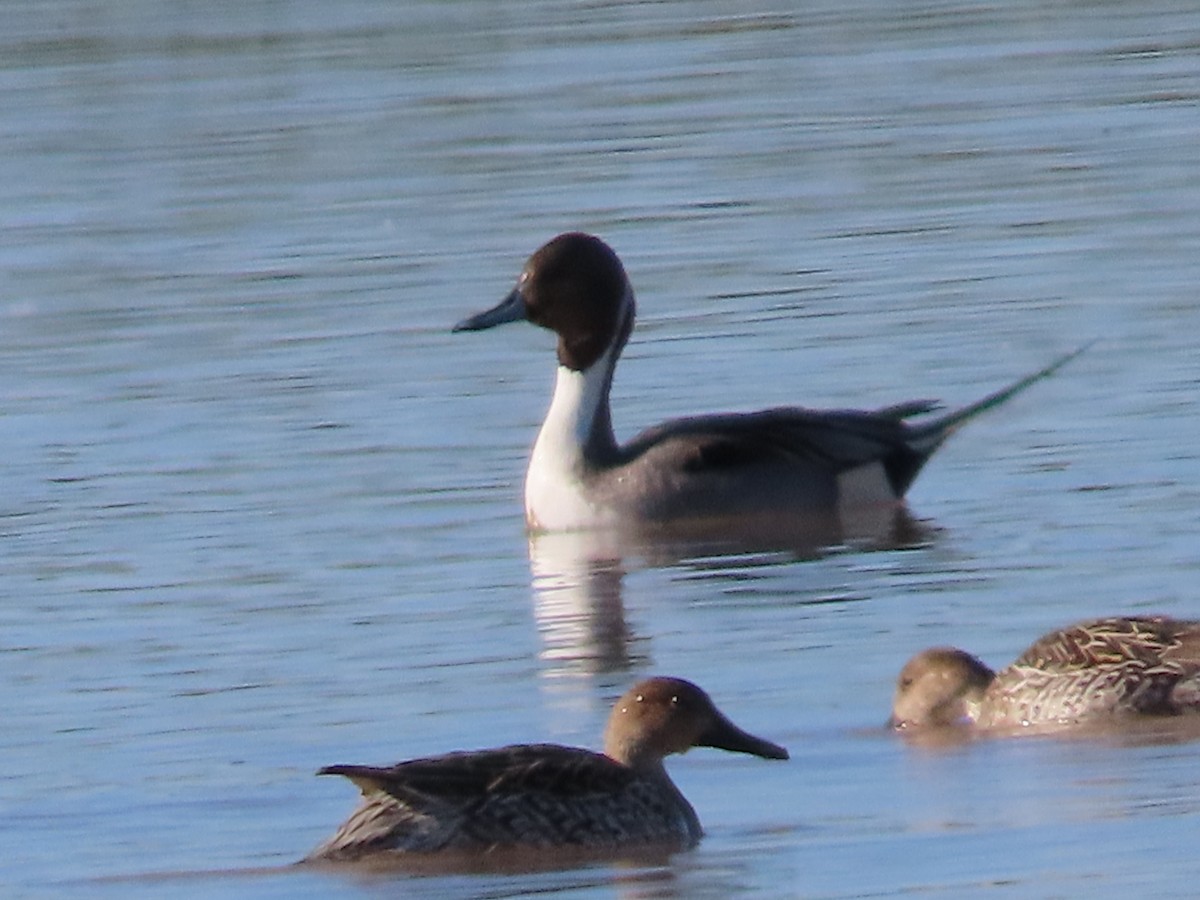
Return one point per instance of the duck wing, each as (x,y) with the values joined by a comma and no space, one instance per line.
(474,773)
(526,796)
(1143,664)
(833,440)
(1115,641)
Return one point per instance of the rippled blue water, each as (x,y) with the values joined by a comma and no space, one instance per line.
(260,511)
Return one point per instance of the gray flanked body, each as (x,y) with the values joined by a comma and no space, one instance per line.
(537,797)
(1092,671)
(787,461)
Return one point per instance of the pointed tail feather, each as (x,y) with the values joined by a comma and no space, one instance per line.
(927,437)
(909,409)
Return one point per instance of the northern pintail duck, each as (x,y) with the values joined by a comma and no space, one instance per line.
(544,796)
(1140,665)
(784,461)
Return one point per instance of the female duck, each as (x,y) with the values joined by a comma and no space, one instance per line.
(544,796)
(782,462)
(1143,665)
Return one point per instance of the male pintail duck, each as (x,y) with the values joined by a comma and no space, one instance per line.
(1142,665)
(544,796)
(789,461)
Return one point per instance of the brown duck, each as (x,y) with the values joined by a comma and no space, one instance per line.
(544,796)
(1139,665)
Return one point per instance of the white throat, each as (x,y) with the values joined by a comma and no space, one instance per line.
(555,491)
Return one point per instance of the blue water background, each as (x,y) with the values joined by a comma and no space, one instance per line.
(260,511)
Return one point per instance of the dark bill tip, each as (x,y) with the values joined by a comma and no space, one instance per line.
(727,736)
(510,309)
(767,750)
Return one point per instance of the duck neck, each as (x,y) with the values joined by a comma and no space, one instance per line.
(576,439)
(658,772)
(981,678)
(578,432)
(971,702)
(650,766)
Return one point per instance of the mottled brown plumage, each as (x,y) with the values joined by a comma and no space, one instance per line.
(544,796)
(1136,665)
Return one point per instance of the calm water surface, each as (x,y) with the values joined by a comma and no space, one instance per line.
(260,510)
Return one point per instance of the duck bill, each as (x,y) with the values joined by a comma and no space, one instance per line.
(724,735)
(510,309)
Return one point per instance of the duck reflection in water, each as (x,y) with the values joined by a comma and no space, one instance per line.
(578,578)
(578,602)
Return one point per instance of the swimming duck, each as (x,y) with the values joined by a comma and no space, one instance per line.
(1141,665)
(545,796)
(791,461)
